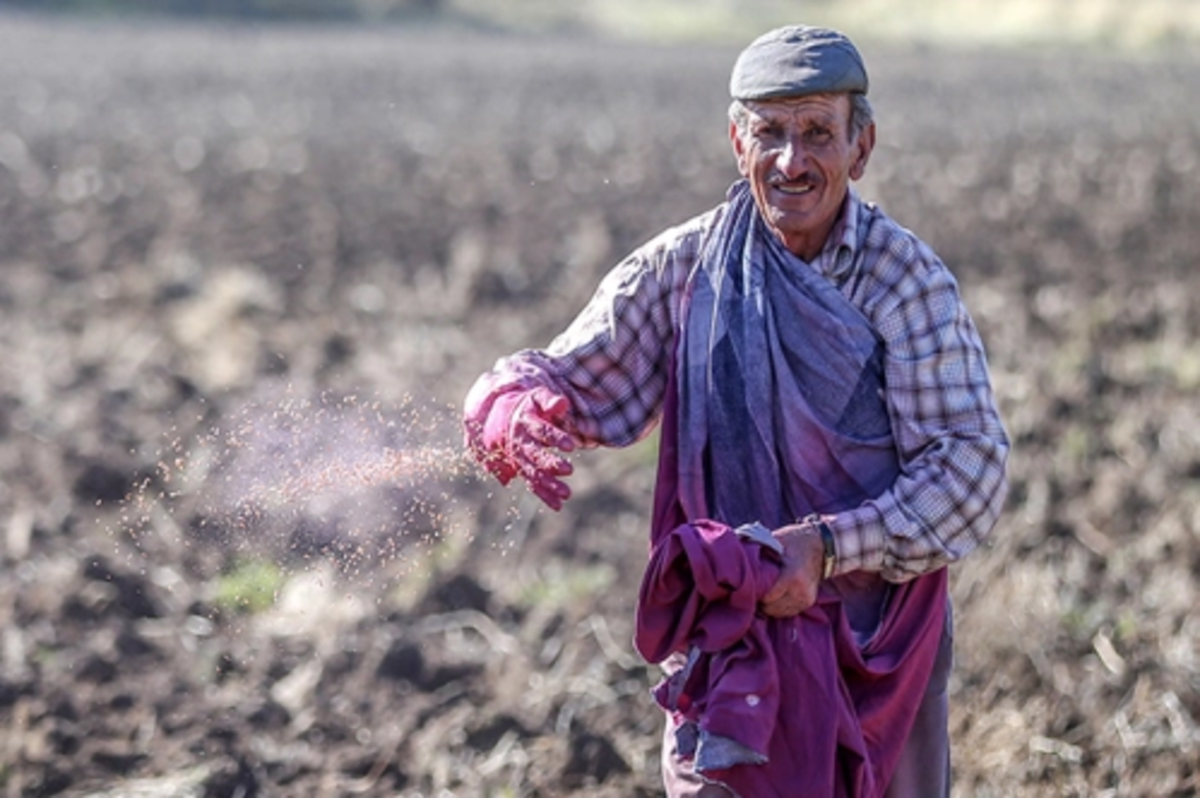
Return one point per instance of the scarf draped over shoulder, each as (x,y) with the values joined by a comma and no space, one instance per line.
(781,409)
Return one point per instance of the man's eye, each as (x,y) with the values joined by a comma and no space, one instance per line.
(820,134)
(769,132)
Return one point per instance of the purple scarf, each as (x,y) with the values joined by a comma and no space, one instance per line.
(775,410)
(780,410)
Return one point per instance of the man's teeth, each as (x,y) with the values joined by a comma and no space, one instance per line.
(794,189)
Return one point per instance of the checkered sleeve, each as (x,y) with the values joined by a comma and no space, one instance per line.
(612,361)
(951,443)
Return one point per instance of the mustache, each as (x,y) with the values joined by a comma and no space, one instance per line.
(809,178)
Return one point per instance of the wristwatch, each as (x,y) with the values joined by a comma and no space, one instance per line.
(830,550)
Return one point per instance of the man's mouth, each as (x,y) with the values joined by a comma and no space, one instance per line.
(794,189)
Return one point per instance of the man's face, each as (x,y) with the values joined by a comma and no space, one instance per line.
(799,157)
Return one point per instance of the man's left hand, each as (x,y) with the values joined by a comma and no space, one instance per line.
(803,558)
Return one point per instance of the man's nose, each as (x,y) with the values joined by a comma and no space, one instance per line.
(792,159)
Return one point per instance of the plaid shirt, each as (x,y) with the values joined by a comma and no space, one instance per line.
(613,361)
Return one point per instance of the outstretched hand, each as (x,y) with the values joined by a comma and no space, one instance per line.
(796,588)
(520,433)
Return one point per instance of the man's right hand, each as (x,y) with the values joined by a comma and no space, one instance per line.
(803,556)
(520,433)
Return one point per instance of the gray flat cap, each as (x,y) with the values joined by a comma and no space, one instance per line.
(797,60)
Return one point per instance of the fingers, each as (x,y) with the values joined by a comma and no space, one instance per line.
(541,469)
(538,460)
(486,417)
(500,466)
(784,608)
(552,492)
(533,436)
(778,590)
(490,456)
(520,433)
(545,434)
(796,588)
(788,597)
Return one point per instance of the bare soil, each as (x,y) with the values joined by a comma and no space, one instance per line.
(239,266)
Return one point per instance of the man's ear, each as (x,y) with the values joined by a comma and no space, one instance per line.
(865,144)
(739,148)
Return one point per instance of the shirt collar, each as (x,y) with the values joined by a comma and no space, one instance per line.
(837,257)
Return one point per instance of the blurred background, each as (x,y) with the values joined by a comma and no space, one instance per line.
(1103,23)
(254,252)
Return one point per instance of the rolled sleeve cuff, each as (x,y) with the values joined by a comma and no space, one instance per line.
(859,541)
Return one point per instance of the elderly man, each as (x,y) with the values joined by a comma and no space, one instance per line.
(829,444)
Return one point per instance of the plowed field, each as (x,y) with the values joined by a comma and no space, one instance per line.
(246,276)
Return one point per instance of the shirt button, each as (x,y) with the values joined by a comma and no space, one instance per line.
(752,700)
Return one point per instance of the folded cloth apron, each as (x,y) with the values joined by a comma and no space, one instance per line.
(775,410)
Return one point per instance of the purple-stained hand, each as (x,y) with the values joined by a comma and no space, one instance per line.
(796,589)
(514,431)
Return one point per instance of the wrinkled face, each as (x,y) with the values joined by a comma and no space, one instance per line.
(799,157)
